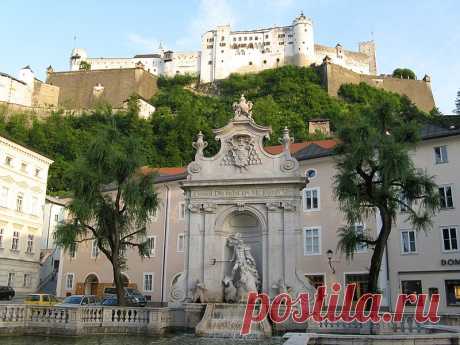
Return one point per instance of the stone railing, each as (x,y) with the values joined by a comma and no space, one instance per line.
(25,319)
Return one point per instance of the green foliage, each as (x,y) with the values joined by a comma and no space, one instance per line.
(404,73)
(287,96)
(111,201)
(374,169)
(457,104)
(85,66)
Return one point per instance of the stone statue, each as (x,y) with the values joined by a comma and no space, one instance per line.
(230,292)
(244,271)
(242,109)
(199,292)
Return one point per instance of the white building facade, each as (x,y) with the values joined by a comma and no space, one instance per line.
(224,51)
(23,179)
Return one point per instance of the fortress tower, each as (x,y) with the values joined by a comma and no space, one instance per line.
(303,41)
(76,57)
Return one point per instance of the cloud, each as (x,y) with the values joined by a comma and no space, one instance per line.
(145,43)
(210,13)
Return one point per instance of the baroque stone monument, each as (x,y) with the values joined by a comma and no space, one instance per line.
(241,223)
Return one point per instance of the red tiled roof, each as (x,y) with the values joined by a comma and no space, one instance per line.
(164,171)
(277,149)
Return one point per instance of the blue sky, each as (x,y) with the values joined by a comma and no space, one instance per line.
(422,35)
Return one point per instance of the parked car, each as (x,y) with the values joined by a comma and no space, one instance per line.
(41,299)
(134,296)
(113,301)
(6,292)
(76,301)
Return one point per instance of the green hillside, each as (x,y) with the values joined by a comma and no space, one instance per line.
(287,96)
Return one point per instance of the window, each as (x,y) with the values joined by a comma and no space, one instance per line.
(15,241)
(56,217)
(408,242)
(445,193)
(361,281)
(411,287)
(250,63)
(449,239)
(4,197)
(311,199)
(94,249)
(440,154)
(27,281)
(37,172)
(23,167)
(8,160)
(148,282)
(360,230)
(2,233)
(312,241)
(180,242)
(19,201)
(11,279)
(315,280)
(182,210)
(73,250)
(30,244)
(453,292)
(69,281)
(152,242)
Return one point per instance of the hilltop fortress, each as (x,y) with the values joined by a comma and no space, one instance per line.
(224,51)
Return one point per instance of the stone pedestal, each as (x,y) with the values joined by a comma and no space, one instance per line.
(223,320)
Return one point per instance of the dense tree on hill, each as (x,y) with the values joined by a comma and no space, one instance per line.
(287,96)
(404,73)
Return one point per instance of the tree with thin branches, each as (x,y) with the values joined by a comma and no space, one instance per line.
(376,176)
(112,201)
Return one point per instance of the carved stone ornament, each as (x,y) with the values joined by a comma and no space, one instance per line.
(241,152)
(194,168)
(242,109)
(273,206)
(241,206)
(199,145)
(209,208)
(289,206)
(194,208)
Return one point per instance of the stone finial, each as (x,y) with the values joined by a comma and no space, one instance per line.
(427,78)
(286,141)
(327,59)
(49,70)
(242,109)
(139,64)
(199,145)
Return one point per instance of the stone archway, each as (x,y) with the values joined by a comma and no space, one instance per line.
(91,284)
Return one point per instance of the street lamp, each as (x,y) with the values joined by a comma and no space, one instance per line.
(329,254)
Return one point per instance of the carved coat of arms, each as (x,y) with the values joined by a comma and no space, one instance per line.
(241,152)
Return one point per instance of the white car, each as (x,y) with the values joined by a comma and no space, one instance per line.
(76,301)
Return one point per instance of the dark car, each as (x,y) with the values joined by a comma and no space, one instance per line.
(6,292)
(135,298)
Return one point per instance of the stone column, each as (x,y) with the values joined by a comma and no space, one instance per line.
(291,241)
(194,247)
(211,277)
(273,250)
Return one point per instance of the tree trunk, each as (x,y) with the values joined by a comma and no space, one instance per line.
(118,281)
(377,256)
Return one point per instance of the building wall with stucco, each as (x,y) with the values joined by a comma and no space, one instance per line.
(23,179)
